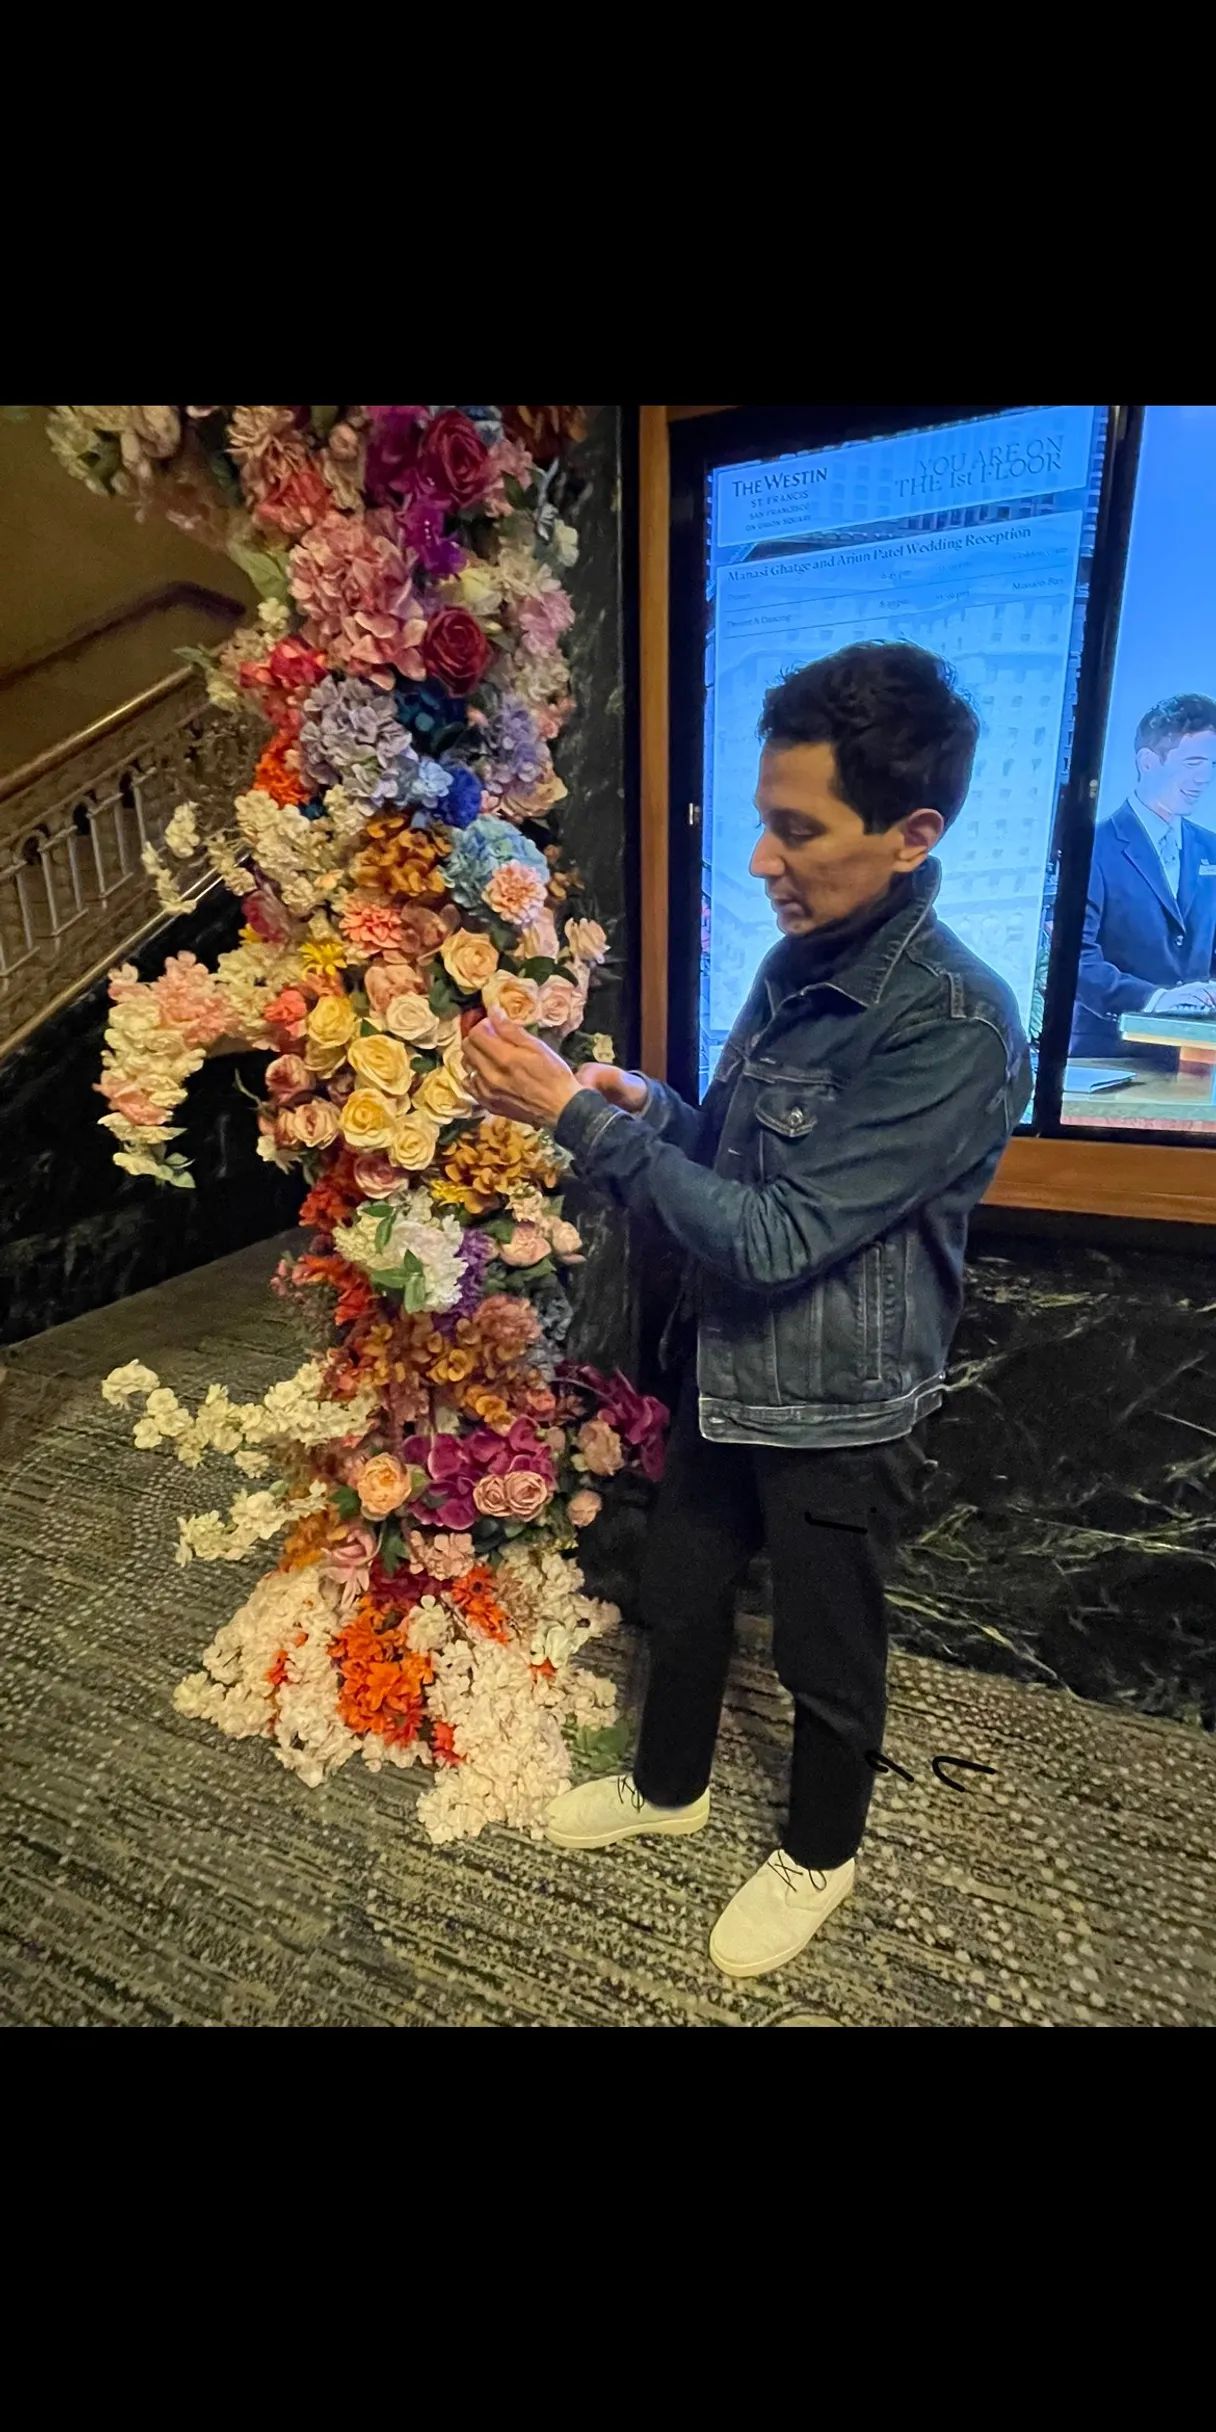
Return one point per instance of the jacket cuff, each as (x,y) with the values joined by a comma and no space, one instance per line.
(583,1121)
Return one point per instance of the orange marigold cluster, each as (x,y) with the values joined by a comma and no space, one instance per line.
(355,1295)
(401,860)
(475,1599)
(486,1160)
(382,1679)
(309,1538)
(275,775)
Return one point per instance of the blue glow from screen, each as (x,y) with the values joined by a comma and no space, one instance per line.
(974,540)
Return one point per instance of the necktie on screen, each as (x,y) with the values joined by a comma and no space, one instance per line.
(1171,854)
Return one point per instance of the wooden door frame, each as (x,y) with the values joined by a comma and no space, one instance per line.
(1079,1177)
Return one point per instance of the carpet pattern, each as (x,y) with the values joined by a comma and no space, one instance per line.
(155,1874)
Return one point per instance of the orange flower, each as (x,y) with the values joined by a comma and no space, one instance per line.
(382,1678)
(355,1295)
(442,1738)
(273,774)
(278,1670)
(474,1597)
(307,1541)
(400,860)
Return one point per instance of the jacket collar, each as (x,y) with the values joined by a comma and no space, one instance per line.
(863,979)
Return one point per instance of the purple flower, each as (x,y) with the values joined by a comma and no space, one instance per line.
(518,755)
(422,529)
(352,736)
(392,451)
(477,1250)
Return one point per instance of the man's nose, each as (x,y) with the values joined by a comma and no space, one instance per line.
(766,859)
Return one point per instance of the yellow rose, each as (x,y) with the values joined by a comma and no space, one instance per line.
(331,1027)
(384,1063)
(367,1121)
(414,1143)
(440,1097)
(469,959)
(410,1017)
(454,1063)
(477,587)
(513,997)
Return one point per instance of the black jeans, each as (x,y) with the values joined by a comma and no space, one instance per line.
(830,1521)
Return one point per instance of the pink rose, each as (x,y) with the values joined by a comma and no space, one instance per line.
(313,1125)
(390,977)
(442,1557)
(601,1448)
(583,1508)
(525,1248)
(539,940)
(349,1564)
(289,1077)
(490,1497)
(560,1005)
(527,1493)
(376,1175)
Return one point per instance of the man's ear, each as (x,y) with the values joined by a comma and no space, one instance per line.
(1147,762)
(920,833)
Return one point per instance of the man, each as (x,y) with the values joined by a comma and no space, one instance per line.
(822,1193)
(1150,913)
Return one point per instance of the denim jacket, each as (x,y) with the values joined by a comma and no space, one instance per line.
(824,1187)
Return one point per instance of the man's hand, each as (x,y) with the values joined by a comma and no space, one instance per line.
(624,1089)
(513,1074)
(1191,996)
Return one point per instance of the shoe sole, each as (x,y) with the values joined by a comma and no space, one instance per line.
(626,1832)
(740,1969)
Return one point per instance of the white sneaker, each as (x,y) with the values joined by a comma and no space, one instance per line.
(775,1915)
(597,1813)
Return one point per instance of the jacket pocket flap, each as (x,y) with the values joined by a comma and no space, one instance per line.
(793,1108)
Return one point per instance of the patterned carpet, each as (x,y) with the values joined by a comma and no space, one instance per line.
(154,1874)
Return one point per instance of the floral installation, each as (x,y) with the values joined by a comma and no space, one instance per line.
(428,1470)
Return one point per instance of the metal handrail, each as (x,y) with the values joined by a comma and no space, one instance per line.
(57,753)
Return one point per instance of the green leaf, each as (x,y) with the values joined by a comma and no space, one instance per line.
(392,1552)
(601,1751)
(441,996)
(345,1502)
(384,1226)
(195,655)
(323,418)
(267,571)
(539,967)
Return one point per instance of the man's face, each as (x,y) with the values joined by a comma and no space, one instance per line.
(1171,782)
(817,860)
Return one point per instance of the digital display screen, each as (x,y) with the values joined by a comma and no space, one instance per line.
(1142,1053)
(974,540)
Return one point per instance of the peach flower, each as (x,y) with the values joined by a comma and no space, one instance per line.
(527,1493)
(383,1062)
(372,928)
(444,1556)
(516,893)
(414,1143)
(368,1121)
(512,996)
(376,1175)
(540,938)
(601,1448)
(583,1508)
(560,1005)
(288,1077)
(389,978)
(313,1125)
(381,1485)
(469,958)
(490,1497)
(423,932)
(586,940)
(287,1011)
(525,1247)
(565,1240)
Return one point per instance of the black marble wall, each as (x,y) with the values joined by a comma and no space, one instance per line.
(1069,1529)
(75,1232)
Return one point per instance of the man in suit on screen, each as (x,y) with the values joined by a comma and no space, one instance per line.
(1150,913)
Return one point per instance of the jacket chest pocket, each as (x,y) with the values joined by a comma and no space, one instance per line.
(787,1112)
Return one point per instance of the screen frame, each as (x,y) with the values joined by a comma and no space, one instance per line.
(702,442)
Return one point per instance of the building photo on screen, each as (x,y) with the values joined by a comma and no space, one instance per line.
(1142,1048)
(972,539)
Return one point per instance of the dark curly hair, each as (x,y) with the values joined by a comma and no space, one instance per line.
(903,734)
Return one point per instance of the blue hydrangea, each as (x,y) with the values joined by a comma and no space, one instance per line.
(463,801)
(431,783)
(480,850)
(427,708)
(352,736)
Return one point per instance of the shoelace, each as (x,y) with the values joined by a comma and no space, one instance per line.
(789,1873)
(625,1783)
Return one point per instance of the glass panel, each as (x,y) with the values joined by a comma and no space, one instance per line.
(973,539)
(1142,1055)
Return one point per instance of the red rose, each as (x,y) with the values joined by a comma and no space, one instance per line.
(455,650)
(453,461)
